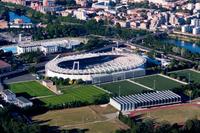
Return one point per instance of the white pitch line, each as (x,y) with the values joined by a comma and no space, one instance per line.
(102,89)
(173,79)
(139,84)
(194,70)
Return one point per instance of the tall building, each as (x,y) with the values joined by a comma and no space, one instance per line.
(195,22)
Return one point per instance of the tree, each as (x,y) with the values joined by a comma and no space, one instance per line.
(183,52)
(32,69)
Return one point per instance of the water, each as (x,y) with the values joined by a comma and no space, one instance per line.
(13,16)
(187,45)
(12,49)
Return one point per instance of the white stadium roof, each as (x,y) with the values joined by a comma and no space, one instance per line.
(124,61)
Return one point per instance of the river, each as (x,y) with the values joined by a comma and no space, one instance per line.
(194,48)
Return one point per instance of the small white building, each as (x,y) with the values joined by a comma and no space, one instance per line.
(186,28)
(23,102)
(8,96)
(49,49)
(48,46)
(195,22)
(81,14)
(196,30)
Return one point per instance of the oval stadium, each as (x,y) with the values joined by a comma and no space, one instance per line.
(97,67)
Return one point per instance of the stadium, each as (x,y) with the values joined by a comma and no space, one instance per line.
(97,67)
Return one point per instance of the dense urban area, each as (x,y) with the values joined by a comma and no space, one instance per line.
(99,66)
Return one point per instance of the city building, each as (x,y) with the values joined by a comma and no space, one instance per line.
(186,28)
(196,31)
(102,5)
(19,2)
(3,24)
(81,14)
(195,22)
(16,21)
(145,100)
(82,3)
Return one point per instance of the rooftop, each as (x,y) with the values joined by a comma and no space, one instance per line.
(8,92)
(3,64)
(159,95)
(22,99)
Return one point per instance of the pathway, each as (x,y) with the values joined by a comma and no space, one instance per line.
(40,97)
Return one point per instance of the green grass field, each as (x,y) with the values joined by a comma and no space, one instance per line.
(161,83)
(84,93)
(122,87)
(29,89)
(194,76)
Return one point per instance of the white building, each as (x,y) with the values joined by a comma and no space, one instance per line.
(186,28)
(197,6)
(48,46)
(23,102)
(196,30)
(8,96)
(101,5)
(88,67)
(190,6)
(145,100)
(195,22)
(81,14)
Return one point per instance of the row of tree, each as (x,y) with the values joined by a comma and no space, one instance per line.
(31,57)
(64,82)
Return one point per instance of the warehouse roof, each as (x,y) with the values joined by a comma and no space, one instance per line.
(146,97)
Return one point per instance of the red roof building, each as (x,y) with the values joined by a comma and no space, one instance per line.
(4,67)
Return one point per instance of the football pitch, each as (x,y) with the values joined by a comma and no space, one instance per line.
(29,89)
(194,76)
(83,93)
(123,88)
(158,82)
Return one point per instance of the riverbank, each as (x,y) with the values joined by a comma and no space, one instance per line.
(191,39)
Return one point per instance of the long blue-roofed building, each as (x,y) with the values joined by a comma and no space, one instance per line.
(145,100)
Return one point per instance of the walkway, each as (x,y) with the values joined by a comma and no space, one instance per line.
(40,97)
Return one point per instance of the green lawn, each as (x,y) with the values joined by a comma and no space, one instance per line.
(194,76)
(122,87)
(29,89)
(84,93)
(161,83)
